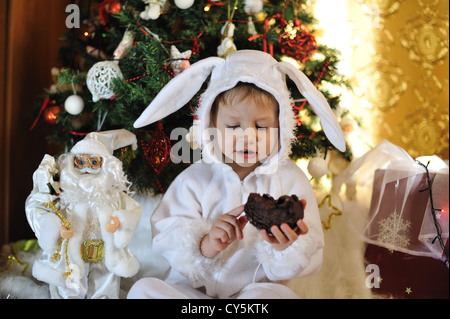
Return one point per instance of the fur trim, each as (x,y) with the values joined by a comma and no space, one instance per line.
(90,147)
(224,78)
(287,263)
(193,263)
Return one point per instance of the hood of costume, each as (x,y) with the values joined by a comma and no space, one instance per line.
(248,66)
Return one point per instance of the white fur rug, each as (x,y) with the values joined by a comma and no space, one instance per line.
(342,275)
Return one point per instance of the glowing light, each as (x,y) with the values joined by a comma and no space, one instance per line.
(291,61)
(86,34)
(207,7)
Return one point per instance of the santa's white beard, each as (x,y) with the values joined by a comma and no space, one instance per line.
(85,187)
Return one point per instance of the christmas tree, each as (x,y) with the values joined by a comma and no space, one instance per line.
(124,52)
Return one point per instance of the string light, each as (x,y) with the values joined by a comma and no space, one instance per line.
(433,213)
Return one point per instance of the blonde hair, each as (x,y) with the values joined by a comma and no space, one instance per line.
(239,93)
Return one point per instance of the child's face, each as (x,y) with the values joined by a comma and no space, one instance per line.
(248,131)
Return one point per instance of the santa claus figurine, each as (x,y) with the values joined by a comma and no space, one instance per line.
(82,213)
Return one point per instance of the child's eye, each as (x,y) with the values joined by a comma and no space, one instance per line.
(232,126)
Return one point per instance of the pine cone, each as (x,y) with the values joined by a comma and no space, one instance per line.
(263,211)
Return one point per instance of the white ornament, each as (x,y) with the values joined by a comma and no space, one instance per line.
(253,6)
(179,61)
(227,45)
(251,27)
(127,42)
(74,104)
(184,4)
(152,9)
(100,77)
(194,136)
(317,167)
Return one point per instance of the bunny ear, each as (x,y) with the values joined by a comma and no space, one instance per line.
(178,92)
(318,103)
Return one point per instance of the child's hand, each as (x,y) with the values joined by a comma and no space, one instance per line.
(284,235)
(225,230)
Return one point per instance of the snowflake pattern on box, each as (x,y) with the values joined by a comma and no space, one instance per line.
(394,231)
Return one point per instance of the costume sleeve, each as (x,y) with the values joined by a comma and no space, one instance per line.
(178,226)
(304,256)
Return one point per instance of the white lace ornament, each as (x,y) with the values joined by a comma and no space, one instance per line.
(100,77)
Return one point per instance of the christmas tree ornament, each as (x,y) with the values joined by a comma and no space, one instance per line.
(297,43)
(157,149)
(74,104)
(152,9)
(184,4)
(179,61)
(100,79)
(194,135)
(84,231)
(51,114)
(317,167)
(227,43)
(126,42)
(114,7)
(253,6)
(251,29)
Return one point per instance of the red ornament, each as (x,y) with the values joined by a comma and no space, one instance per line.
(51,114)
(300,46)
(157,149)
(114,7)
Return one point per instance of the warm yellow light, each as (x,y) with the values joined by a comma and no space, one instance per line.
(207,7)
(339,28)
(291,61)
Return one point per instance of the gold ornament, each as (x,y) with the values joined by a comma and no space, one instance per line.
(92,251)
(66,224)
(336,212)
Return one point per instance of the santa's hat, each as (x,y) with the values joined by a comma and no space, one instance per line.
(104,143)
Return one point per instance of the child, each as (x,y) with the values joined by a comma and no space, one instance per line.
(199,226)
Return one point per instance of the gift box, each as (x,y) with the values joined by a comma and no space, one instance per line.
(405,276)
(398,206)
(405,233)
(400,212)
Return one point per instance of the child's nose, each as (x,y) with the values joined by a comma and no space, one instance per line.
(248,136)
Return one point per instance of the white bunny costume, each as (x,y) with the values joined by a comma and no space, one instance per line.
(250,267)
